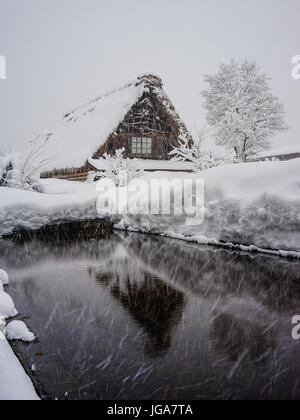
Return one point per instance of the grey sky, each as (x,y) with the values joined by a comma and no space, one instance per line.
(61,53)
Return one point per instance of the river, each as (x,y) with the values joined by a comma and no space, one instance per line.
(142,317)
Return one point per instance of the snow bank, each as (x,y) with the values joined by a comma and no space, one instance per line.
(29,210)
(7,307)
(61,186)
(14,383)
(17,330)
(255,205)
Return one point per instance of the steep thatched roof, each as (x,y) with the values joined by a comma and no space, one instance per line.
(86,128)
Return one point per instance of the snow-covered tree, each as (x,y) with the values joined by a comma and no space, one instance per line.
(23,172)
(194,152)
(242,110)
(121,170)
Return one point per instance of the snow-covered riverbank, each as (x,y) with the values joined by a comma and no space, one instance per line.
(14,383)
(250,207)
(256,205)
(31,210)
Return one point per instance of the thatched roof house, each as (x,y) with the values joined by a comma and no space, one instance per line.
(138,116)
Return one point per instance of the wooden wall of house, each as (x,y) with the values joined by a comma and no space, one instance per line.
(161,146)
(147,118)
(71,174)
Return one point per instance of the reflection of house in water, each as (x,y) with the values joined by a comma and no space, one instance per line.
(155,305)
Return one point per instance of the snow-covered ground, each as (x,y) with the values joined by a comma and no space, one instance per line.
(14,383)
(254,204)
(31,210)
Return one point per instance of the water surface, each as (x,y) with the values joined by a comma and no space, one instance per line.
(142,317)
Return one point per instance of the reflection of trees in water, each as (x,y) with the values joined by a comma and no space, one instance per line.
(154,305)
(234,337)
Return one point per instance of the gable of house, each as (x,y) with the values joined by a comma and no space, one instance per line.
(147,131)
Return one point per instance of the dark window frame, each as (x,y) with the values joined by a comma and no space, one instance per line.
(141,146)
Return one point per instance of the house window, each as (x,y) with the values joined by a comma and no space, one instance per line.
(141,146)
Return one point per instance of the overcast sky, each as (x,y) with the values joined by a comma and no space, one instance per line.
(61,53)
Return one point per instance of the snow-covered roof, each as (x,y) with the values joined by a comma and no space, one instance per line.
(85,129)
(280,150)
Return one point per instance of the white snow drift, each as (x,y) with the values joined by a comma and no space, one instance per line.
(17,330)
(14,383)
(31,210)
(7,306)
(253,204)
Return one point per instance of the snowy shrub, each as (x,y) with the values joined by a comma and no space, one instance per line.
(14,173)
(21,172)
(120,170)
(194,152)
